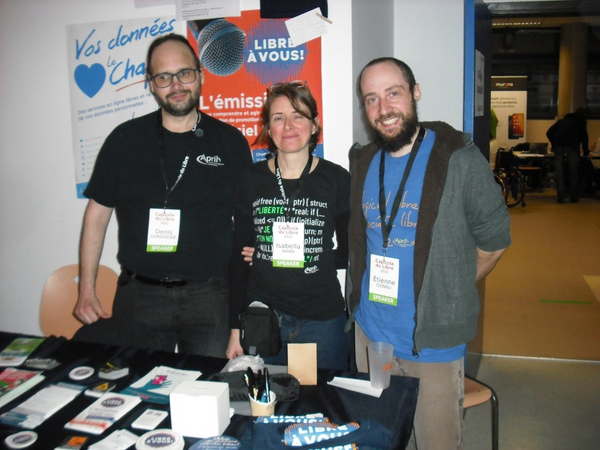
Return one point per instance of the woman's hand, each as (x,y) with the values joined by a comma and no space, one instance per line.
(234,349)
(247,253)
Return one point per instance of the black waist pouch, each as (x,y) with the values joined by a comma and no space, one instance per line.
(260,331)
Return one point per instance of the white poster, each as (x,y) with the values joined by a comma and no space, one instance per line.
(509,107)
(107,81)
(207,9)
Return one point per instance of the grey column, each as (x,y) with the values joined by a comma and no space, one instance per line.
(572,67)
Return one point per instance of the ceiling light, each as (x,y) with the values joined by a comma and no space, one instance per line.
(516,24)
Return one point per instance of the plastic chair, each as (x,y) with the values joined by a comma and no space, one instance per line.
(60,295)
(477,393)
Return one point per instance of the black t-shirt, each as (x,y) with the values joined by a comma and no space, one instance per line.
(322,204)
(128,177)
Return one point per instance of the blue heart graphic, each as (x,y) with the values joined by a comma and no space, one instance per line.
(90,79)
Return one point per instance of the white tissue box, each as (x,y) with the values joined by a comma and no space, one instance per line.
(200,408)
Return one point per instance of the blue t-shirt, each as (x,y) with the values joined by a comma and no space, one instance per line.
(395,323)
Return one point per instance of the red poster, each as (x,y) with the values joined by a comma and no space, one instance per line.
(242,57)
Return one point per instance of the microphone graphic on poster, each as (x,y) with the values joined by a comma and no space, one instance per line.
(221,47)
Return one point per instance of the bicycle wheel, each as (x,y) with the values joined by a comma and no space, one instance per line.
(515,189)
(500,180)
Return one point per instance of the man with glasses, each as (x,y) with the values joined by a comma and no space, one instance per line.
(168,175)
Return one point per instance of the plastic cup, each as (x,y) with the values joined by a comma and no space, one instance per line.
(380,364)
(263,409)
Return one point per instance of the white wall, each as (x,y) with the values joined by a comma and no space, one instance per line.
(41,216)
(429,38)
(428,35)
(372,37)
(336,55)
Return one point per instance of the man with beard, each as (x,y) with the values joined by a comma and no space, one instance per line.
(168,175)
(414,273)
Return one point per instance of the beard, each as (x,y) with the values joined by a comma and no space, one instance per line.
(180,109)
(410,123)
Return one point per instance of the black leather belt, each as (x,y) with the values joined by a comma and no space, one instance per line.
(168,282)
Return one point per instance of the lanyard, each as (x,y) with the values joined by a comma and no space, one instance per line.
(386,228)
(160,131)
(292,197)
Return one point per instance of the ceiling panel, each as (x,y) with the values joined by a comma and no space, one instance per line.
(545,14)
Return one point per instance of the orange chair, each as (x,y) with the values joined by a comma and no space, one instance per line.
(60,295)
(477,393)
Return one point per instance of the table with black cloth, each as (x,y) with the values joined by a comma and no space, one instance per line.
(394,409)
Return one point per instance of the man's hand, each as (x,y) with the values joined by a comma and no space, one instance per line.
(95,221)
(234,348)
(88,309)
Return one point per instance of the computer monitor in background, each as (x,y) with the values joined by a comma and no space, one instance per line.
(538,148)
(521,147)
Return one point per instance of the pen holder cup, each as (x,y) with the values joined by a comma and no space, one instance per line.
(263,409)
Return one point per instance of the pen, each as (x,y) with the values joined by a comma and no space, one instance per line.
(247,380)
(267,386)
(260,386)
(251,382)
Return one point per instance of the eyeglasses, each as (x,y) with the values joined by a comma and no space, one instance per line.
(295,83)
(164,80)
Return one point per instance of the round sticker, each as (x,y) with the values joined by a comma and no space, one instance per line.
(21,439)
(81,373)
(163,439)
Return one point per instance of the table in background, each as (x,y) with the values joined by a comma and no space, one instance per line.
(538,164)
(545,163)
(394,409)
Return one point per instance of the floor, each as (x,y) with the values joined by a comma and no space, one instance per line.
(543,298)
(544,405)
(541,331)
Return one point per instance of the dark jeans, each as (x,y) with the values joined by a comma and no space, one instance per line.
(195,317)
(332,341)
(572,156)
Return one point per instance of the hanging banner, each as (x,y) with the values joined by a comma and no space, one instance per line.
(242,57)
(509,106)
(107,82)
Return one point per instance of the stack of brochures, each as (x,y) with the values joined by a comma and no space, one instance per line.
(33,411)
(14,382)
(104,412)
(157,384)
(17,352)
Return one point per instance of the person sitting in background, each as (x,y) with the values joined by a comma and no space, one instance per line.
(595,148)
(595,152)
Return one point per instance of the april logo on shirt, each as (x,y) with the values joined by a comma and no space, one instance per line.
(311,269)
(214,161)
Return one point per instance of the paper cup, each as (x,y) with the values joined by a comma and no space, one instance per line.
(263,409)
(380,364)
